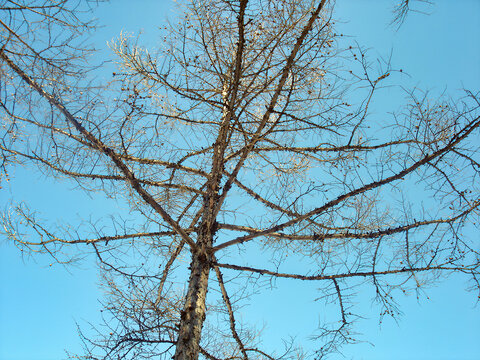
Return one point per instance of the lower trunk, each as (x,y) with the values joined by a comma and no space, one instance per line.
(193,314)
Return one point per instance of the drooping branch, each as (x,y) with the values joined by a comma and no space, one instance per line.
(231,316)
(340,301)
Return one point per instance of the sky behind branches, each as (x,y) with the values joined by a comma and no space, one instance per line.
(39,304)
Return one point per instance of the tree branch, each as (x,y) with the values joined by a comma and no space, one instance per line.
(135,184)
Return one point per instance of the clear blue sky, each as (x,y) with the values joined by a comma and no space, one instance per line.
(39,304)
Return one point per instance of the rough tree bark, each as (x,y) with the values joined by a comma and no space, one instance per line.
(193,314)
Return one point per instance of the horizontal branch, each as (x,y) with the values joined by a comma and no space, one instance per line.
(100,176)
(345,275)
(353,235)
(105,239)
(341,148)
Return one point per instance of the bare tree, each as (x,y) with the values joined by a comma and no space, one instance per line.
(247,131)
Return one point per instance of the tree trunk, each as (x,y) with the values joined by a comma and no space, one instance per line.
(193,314)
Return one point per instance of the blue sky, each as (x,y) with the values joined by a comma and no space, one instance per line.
(39,304)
